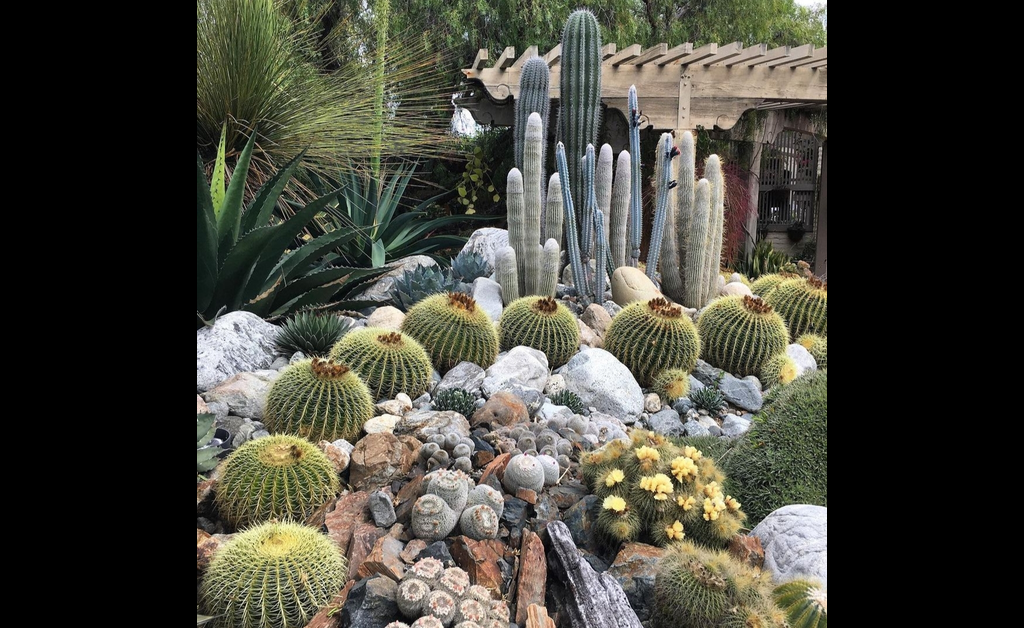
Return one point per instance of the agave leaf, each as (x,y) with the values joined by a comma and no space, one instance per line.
(340,275)
(377,255)
(217,180)
(392,194)
(236,271)
(202,620)
(206,241)
(262,207)
(229,217)
(296,260)
(204,427)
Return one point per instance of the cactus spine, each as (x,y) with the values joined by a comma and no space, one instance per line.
(804,305)
(664,183)
(571,236)
(533,98)
(319,400)
(805,603)
(553,216)
(619,217)
(635,200)
(579,113)
(508,274)
(452,329)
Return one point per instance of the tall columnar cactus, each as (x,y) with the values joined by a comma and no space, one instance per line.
(275,575)
(635,200)
(533,198)
(533,97)
(674,274)
(572,235)
(651,336)
(603,186)
(804,305)
(586,219)
(388,361)
(618,220)
(452,328)
(698,247)
(553,215)
(713,258)
(664,184)
(517,221)
(543,324)
(507,269)
(739,334)
(601,248)
(319,400)
(671,278)
(805,603)
(579,113)
(549,269)
(275,477)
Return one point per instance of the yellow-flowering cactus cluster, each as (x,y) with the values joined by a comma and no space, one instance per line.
(653,490)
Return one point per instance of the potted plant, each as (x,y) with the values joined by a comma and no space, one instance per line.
(796,231)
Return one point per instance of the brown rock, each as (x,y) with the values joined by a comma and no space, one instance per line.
(363,539)
(527,495)
(635,568)
(537,617)
(496,467)
(201,407)
(384,559)
(480,560)
(350,511)
(338,456)
(596,318)
(206,545)
(747,549)
(406,499)
(533,575)
(377,460)
(502,409)
(412,550)
(481,458)
(330,615)
(588,337)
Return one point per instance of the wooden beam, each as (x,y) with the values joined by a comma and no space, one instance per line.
(607,51)
(748,54)
(818,59)
(507,58)
(552,56)
(530,52)
(478,62)
(699,54)
(628,54)
(677,52)
(724,53)
(648,55)
(759,83)
(796,55)
(771,55)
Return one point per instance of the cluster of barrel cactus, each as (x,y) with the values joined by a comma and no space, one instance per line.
(431,596)
(543,324)
(803,302)
(442,451)
(319,400)
(653,489)
(739,334)
(453,329)
(652,336)
(389,362)
(450,498)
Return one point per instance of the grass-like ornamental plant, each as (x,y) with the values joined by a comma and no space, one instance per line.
(276,477)
(453,329)
(740,333)
(319,400)
(803,303)
(543,324)
(389,362)
(312,333)
(651,336)
(275,575)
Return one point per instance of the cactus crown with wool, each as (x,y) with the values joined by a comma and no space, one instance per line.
(543,324)
(453,329)
(275,575)
(803,303)
(389,362)
(764,284)
(649,337)
(319,400)
(275,477)
(805,603)
(740,333)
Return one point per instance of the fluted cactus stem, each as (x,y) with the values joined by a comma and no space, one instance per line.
(619,218)
(671,278)
(514,198)
(508,274)
(686,178)
(533,98)
(601,247)
(713,173)
(553,216)
(533,184)
(603,184)
(635,200)
(571,235)
(549,267)
(590,204)
(664,185)
(579,115)
(698,246)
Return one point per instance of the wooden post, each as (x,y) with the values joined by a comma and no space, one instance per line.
(821,250)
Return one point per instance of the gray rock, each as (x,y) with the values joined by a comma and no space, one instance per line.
(465,375)
(379,290)
(605,427)
(382,423)
(423,423)
(370,604)
(531,397)
(487,294)
(743,393)
(612,307)
(551,412)
(696,384)
(795,541)
(682,406)
(693,428)
(522,365)
(666,422)
(601,381)
(382,509)
(279,363)
(298,356)
(733,425)
(421,401)
(244,393)
(344,445)
(705,420)
(652,402)
(241,430)
(805,362)
(260,434)
(487,242)
(221,410)
(714,430)
(706,374)
(236,343)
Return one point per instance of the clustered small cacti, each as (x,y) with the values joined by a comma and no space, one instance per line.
(444,450)
(312,333)
(803,303)
(444,504)
(319,400)
(543,324)
(525,472)
(739,334)
(455,399)
(453,329)
(436,597)
(653,489)
(274,575)
(780,369)
(388,361)
(275,477)
(704,588)
(817,346)
(651,336)
(556,440)
(804,601)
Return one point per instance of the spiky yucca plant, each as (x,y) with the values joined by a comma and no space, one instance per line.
(740,333)
(651,336)
(804,305)
(275,477)
(453,329)
(543,324)
(312,333)
(319,400)
(275,575)
(388,361)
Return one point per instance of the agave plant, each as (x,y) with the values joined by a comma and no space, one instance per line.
(762,259)
(206,451)
(312,333)
(470,265)
(247,260)
(421,282)
(708,398)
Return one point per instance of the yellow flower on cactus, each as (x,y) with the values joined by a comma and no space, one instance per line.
(614,477)
(684,468)
(710,512)
(647,453)
(692,452)
(674,531)
(731,503)
(659,484)
(712,490)
(615,504)
(686,503)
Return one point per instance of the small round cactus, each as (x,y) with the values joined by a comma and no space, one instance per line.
(319,400)
(440,604)
(274,575)
(412,593)
(487,495)
(803,303)
(523,472)
(780,369)
(551,470)
(388,361)
(276,477)
(427,621)
(740,333)
(428,570)
(817,346)
(470,611)
(651,336)
(672,384)
(455,581)
(805,603)
(453,329)
(543,324)
(452,487)
(479,522)
(432,518)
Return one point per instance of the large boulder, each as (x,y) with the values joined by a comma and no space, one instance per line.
(631,284)
(602,382)
(244,393)
(378,291)
(487,242)
(235,343)
(524,366)
(795,541)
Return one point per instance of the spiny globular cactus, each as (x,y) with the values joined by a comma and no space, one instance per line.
(432,518)
(453,329)
(543,324)
(479,522)
(455,399)
(740,333)
(275,575)
(389,362)
(523,472)
(651,336)
(275,477)
(672,384)
(779,370)
(804,305)
(764,284)
(319,400)
(805,603)
(817,346)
